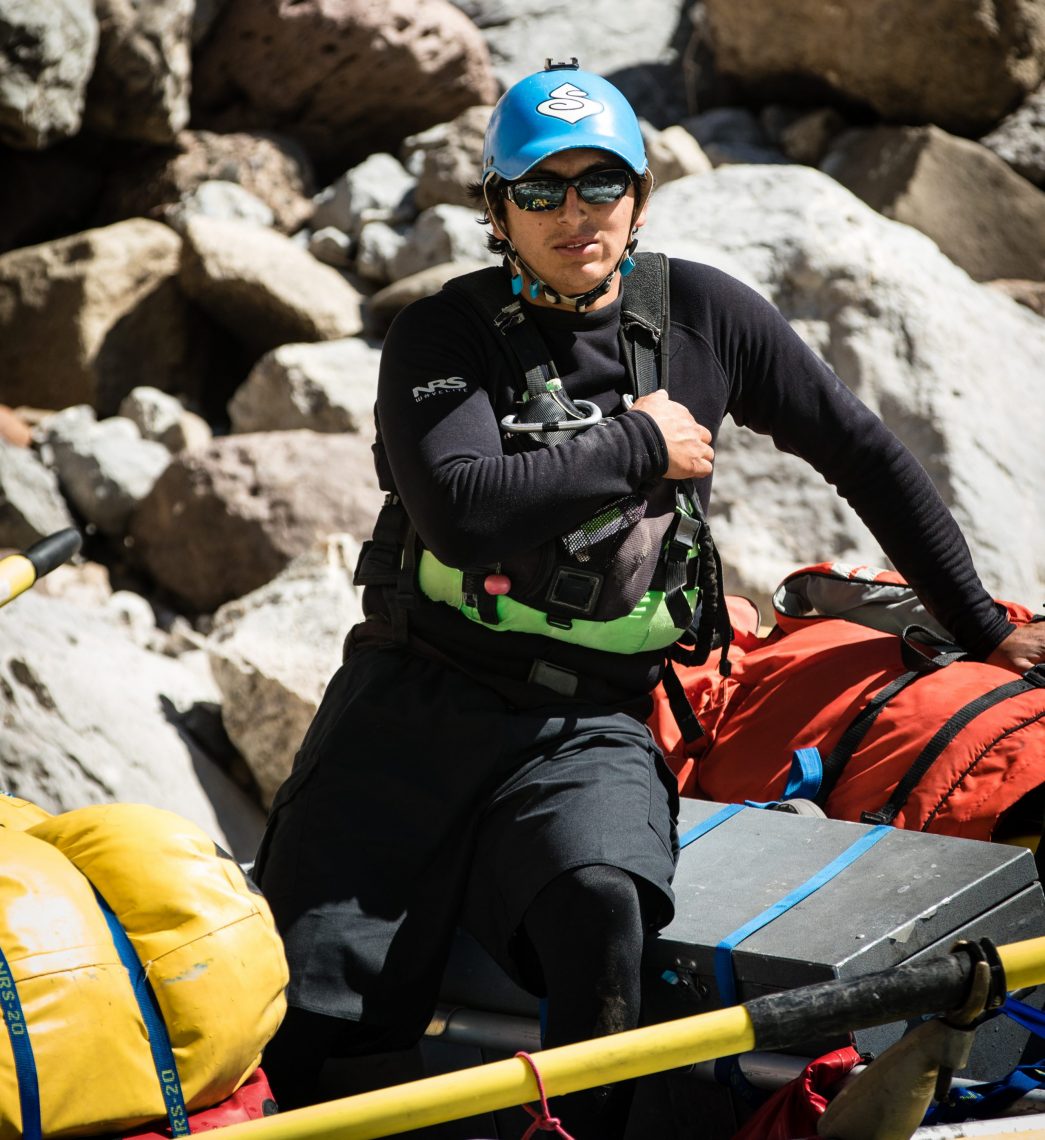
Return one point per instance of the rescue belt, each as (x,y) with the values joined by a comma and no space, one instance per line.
(688,578)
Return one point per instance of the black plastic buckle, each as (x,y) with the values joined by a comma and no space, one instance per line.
(575,590)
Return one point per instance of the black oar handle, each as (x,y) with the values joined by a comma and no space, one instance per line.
(53,550)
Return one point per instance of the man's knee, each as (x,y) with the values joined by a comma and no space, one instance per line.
(592,902)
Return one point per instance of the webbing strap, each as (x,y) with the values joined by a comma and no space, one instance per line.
(22,1049)
(1033,679)
(724,975)
(860,725)
(803,779)
(155,1028)
(709,824)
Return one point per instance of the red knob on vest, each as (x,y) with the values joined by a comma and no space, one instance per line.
(497,583)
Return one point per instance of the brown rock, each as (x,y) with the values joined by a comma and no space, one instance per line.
(83,319)
(448,158)
(345,77)
(140,86)
(272,167)
(226,518)
(265,288)
(961,66)
(979,211)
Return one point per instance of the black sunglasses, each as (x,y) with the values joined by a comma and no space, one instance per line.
(548,191)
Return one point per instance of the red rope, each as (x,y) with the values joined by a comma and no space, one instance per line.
(543,1121)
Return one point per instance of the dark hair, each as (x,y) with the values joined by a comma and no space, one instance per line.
(493,197)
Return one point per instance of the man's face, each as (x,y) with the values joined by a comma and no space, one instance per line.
(575,246)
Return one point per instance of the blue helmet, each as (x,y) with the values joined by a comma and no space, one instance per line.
(560,108)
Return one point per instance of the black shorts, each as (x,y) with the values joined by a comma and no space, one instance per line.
(420,801)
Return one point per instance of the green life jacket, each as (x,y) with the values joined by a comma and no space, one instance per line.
(630,579)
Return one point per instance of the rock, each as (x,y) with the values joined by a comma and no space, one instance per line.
(84,317)
(225,519)
(31,505)
(273,168)
(90,717)
(331,246)
(876,52)
(345,77)
(673,153)
(1019,139)
(1028,293)
(442,234)
(161,417)
(808,138)
(104,467)
(447,158)
(47,52)
(985,217)
(377,189)
(84,584)
(732,135)
(140,86)
(226,201)
(384,305)
(264,287)
(521,34)
(273,652)
(376,251)
(943,360)
(330,387)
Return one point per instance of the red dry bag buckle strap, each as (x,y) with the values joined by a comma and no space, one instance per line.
(543,1121)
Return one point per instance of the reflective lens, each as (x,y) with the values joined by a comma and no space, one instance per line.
(597,188)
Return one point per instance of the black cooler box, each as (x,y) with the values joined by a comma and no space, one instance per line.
(903,895)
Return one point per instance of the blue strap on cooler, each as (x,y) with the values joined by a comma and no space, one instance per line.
(724,950)
(22,1049)
(709,824)
(804,778)
(155,1027)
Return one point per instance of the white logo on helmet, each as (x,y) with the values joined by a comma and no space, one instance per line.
(570,104)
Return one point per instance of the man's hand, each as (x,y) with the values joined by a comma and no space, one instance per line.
(690,455)
(1022,649)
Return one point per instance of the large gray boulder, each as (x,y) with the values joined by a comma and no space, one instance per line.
(328,387)
(89,717)
(273,652)
(263,287)
(983,215)
(83,319)
(31,504)
(140,87)
(953,367)
(345,77)
(961,66)
(104,466)
(617,36)
(226,518)
(47,53)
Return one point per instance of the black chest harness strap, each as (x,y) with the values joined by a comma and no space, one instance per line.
(389,559)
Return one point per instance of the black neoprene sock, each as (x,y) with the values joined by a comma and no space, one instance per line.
(587,929)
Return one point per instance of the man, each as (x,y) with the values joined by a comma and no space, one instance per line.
(481,758)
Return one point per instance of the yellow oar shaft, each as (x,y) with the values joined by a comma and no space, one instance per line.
(505,1083)
(488,1088)
(17,574)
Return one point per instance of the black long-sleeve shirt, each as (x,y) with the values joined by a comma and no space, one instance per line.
(477,495)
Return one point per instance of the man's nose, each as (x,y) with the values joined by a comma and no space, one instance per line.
(573,205)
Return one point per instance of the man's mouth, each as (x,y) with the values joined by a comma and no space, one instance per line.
(575,244)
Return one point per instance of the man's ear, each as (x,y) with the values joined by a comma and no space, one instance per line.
(498,226)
